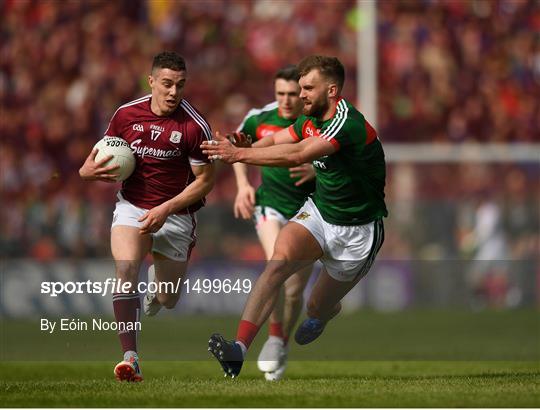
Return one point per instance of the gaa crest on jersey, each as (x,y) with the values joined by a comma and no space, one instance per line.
(303,216)
(176,136)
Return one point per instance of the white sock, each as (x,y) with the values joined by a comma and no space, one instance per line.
(276,338)
(243,347)
(129,354)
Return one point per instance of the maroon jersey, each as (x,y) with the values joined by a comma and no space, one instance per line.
(164,147)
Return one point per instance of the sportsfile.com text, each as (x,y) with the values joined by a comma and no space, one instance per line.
(111,286)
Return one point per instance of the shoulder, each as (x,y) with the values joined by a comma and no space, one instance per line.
(303,120)
(297,128)
(354,117)
(346,119)
(126,113)
(133,106)
(196,119)
(267,109)
(256,115)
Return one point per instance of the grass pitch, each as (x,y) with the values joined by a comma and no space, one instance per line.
(308,384)
(369,359)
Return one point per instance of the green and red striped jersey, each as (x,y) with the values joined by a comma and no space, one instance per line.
(350,182)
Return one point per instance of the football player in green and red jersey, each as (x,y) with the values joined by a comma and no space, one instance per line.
(281,194)
(341,225)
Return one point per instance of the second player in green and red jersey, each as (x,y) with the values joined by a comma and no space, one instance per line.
(278,189)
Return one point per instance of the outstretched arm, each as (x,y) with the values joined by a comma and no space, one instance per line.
(283,155)
(281,137)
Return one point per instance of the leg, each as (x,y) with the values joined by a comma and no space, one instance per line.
(268,231)
(168,271)
(325,300)
(323,304)
(294,298)
(273,357)
(273,352)
(171,249)
(128,249)
(295,249)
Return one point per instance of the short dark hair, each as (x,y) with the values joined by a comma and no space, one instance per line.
(329,67)
(288,73)
(170,60)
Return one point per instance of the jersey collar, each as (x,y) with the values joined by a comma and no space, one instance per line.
(319,123)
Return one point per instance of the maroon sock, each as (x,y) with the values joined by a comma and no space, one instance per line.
(127,307)
(275,329)
(246,332)
(285,340)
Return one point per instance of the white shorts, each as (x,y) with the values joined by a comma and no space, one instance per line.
(265,213)
(175,239)
(348,251)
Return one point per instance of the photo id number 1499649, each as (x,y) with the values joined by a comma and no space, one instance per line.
(217,286)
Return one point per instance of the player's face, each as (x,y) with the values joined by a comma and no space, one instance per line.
(288,98)
(314,94)
(167,89)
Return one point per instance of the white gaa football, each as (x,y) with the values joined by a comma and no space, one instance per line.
(122,155)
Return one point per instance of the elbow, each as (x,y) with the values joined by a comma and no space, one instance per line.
(204,185)
(209,185)
(208,179)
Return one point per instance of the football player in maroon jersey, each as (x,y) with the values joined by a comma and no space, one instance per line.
(156,205)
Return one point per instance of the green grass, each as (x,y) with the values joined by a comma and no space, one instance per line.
(308,384)
(369,359)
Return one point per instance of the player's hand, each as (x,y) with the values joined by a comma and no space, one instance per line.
(220,148)
(244,204)
(304,173)
(239,139)
(96,171)
(153,219)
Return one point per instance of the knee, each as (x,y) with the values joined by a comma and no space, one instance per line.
(277,270)
(294,293)
(168,301)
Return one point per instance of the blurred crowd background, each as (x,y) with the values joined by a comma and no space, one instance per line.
(450,71)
